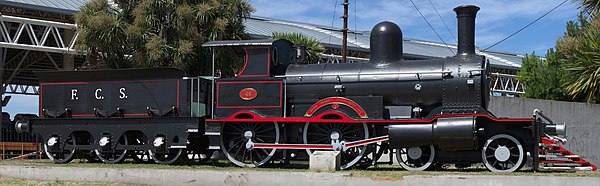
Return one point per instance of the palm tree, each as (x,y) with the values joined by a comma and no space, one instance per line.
(313,47)
(590,6)
(581,48)
(584,65)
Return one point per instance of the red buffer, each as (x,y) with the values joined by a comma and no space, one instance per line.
(552,156)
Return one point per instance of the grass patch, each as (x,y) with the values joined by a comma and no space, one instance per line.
(19,182)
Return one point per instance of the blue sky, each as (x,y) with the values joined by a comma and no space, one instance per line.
(496,20)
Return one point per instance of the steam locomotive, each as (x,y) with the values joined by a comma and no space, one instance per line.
(279,108)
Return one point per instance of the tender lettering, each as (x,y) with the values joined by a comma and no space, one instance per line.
(97,94)
(74,94)
(122,94)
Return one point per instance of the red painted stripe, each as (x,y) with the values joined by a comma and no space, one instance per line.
(94,115)
(367,141)
(41,114)
(145,114)
(83,115)
(291,146)
(345,119)
(177,101)
(101,82)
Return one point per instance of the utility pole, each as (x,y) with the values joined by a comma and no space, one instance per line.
(345,32)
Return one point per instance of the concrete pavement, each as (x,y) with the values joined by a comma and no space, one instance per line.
(215,177)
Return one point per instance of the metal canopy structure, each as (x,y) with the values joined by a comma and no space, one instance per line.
(37,35)
(32,39)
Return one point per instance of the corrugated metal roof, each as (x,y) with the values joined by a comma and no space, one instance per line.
(263,27)
(68,7)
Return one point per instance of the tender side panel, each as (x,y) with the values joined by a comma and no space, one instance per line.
(133,97)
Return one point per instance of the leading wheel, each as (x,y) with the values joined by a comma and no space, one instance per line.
(503,153)
(65,152)
(112,156)
(235,138)
(416,158)
(328,133)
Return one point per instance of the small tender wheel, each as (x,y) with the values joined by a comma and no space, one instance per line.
(115,156)
(197,150)
(416,158)
(140,156)
(165,158)
(199,156)
(503,153)
(65,153)
(235,137)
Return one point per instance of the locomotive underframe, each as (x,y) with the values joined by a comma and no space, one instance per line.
(141,133)
(292,147)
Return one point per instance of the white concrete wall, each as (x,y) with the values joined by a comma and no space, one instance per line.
(582,119)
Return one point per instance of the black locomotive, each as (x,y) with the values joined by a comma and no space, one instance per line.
(278,108)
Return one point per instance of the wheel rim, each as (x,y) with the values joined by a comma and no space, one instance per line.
(199,156)
(235,136)
(502,153)
(116,156)
(197,150)
(67,153)
(165,158)
(140,156)
(416,158)
(323,133)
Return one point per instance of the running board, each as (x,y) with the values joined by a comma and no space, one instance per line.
(318,146)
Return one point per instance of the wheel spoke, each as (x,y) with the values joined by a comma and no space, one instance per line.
(236,128)
(321,133)
(424,161)
(503,143)
(260,133)
(234,145)
(317,134)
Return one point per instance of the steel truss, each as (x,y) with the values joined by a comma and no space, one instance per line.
(21,89)
(506,84)
(332,58)
(37,35)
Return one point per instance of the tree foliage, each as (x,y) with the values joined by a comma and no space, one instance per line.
(153,33)
(572,72)
(543,77)
(590,7)
(313,47)
(581,48)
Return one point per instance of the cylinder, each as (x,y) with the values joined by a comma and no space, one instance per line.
(386,43)
(446,133)
(466,28)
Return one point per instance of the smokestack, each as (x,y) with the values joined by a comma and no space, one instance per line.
(466,28)
(386,43)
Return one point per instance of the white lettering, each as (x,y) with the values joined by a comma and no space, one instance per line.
(97,94)
(122,93)
(74,94)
